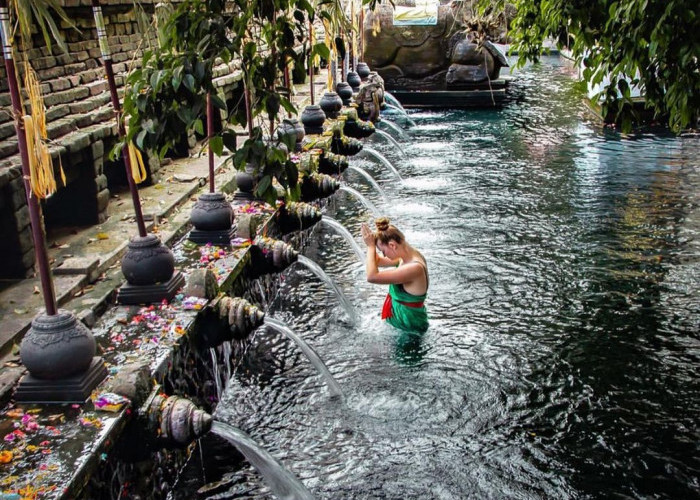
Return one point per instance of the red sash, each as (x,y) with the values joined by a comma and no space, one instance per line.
(386,308)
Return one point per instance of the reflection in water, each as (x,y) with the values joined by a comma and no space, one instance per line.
(562,357)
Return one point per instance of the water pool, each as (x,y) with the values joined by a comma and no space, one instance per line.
(562,356)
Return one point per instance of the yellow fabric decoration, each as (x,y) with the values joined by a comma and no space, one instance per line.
(41,175)
(138,169)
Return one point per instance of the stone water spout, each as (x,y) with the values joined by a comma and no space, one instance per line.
(331,163)
(317,186)
(354,127)
(176,419)
(241,316)
(277,254)
(344,145)
(297,216)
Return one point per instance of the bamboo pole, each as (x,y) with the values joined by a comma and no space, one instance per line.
(35,217)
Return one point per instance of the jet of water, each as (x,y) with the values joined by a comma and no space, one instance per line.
(392,141)
(316,269)
(309,352)
(390,99)
(378,156)
(361,198)
(369,178)
(216,374)
(331,222)
(284,484)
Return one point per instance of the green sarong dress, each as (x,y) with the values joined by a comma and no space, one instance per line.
(404,310)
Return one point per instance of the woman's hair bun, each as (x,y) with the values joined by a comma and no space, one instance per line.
(382,223)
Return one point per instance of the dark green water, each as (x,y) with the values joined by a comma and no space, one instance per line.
(563,352)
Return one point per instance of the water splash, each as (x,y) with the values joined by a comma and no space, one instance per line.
(309,352)
(393,141)
(316,269)
(382,159)
(284,484)
(369,178)
(368,204)
(331,222)
(227,362)
(216,374)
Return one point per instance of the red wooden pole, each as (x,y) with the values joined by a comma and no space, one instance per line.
(107,63)
(311,61)
(210,134)
(35,218)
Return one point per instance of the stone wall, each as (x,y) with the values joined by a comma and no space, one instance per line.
(80,123)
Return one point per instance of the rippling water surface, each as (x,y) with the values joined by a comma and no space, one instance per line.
(562,356)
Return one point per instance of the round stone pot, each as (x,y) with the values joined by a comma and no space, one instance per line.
(313,117)
(246,182)
(331,104)
(354,80)
(212,213)
(301,133)
(344,90)
(362,70)
(286,130)
(147,261)
(57,346)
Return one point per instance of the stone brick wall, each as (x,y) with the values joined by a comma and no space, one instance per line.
(80,122)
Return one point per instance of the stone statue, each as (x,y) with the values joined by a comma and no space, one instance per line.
(429,57)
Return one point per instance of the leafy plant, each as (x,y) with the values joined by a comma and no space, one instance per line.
(40,11)
(653,44)
(269,160)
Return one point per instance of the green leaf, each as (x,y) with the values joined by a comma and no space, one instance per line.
(140,137)
(188,82)
(218,102)
(216,144)
(177,77)
(264,183)
(322,50)
(199,127)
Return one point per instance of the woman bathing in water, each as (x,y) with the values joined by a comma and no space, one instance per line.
(404,306)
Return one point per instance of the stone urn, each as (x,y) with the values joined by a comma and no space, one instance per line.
(246,181)
(362,70)
(354,80)
(57,346)
(344,90)
(331,104)
(212,213)
(293,129)
(313,118)
(147,261)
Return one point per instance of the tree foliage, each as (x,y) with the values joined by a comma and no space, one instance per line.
(654,44)
(166,96)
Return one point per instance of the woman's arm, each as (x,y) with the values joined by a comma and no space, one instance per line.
(386,262)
